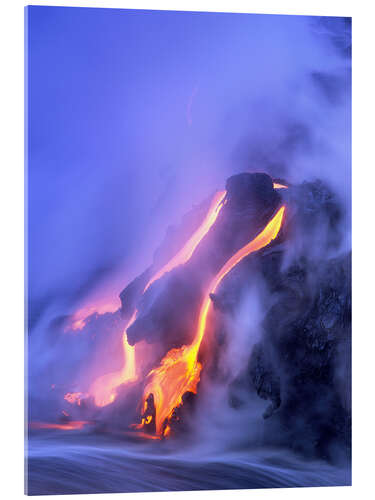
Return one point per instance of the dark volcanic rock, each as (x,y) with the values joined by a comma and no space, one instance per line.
(307,347)
(264,379)
(254,191)
(130,295)
(251,203)
(179,421)
(167,312)
(317,217)
(302,363)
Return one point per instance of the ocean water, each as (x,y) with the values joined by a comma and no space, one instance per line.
(61,462)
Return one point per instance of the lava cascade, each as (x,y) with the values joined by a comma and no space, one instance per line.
(179,370)
(104,388)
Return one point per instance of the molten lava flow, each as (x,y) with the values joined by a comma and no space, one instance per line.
(104,388)
(75,397)
(73,425)
(80,317)
(276,185)
(188,249)
(179,371)
(142,435)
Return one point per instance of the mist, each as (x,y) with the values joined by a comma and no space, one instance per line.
(135,118)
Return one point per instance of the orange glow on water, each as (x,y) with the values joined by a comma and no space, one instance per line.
(69,426)
(179,370)
(188,249)
(140,434)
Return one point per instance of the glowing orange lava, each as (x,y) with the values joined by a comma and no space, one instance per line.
(276,185)
(188,249)
(140,434)
(75,397)
(69,426)
(79,319)
(104,388)
(179,370)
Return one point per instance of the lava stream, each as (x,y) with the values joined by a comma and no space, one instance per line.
(73,425)
(104,388)
(100,306)
(188,249)
(179,370)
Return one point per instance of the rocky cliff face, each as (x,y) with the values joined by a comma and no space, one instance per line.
(168,310)
(301,364)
